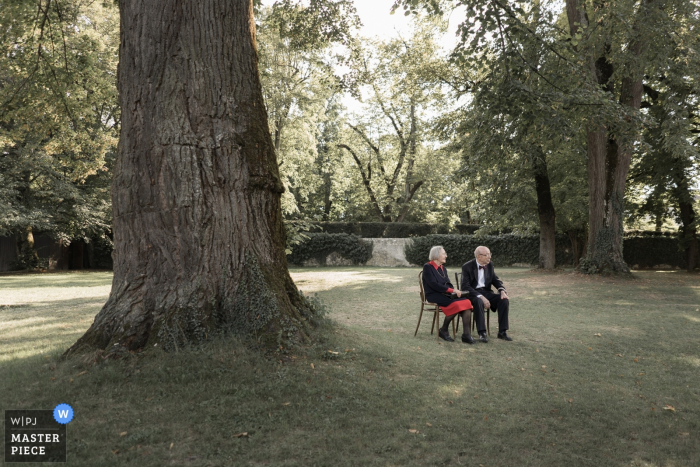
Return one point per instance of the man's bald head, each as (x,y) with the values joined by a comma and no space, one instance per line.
(482,255)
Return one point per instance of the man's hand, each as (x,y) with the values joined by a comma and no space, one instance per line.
(487,304)
(504,295)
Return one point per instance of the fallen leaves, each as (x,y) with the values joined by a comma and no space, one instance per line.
(670,408)
(413,430)
(123,433)
(597,334)
(171,446)
(286,403)
(429,424)
(618,354)
(312,366)
(240,435)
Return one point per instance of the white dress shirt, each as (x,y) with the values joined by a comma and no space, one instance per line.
(480,273)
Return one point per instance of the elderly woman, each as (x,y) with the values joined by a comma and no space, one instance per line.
(438,289)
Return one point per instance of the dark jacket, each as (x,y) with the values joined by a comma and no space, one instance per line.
(470,278)
(435,284)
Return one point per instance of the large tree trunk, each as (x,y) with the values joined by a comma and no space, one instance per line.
(545,210)
(198,234)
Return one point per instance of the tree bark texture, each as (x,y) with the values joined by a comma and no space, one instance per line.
(198,234)
(545,210)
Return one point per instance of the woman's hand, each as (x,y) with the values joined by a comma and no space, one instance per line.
(459,293)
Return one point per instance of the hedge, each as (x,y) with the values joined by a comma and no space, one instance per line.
(505,249)
(646,252)
(640,252)
(319,245)
(393,229)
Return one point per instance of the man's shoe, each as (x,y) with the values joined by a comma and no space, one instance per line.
(467,339)
(445,336)
(483,338)
(504,336)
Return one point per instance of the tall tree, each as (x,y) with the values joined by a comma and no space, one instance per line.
(198,234)
(666,169)
(385,142)
(618,44)
(59,119)
(516,128)
(609,47)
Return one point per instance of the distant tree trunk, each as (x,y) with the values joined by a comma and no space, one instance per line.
(198,235)
(689,241)
(545,210)
(573,239)
(27,257)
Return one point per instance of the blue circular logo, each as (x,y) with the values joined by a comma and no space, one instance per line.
(63,413)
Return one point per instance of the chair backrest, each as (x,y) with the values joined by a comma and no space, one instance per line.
(458,280)
(420,282)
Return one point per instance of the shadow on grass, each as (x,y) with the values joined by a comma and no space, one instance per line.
(558,395)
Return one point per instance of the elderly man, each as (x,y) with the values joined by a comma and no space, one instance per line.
(478,278)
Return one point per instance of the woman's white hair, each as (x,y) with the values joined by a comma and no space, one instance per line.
(435,252)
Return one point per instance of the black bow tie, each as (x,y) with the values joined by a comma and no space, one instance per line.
(482,267)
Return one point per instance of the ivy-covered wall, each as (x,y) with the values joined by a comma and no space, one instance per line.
(319,245)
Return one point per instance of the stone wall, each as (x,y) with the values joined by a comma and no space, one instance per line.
(386,252)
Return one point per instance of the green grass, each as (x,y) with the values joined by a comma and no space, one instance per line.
(559,394)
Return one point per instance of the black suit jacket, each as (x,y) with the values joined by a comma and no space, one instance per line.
(470,278)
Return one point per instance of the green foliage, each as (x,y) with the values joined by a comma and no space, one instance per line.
(393,229)
(317,22)
(400,167)
(59,116)
(319,245)
(505,249)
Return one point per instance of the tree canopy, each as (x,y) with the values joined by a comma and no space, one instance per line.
(578,117)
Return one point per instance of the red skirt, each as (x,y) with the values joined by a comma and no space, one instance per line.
(456,307)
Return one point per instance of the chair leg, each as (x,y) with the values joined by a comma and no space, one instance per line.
(488,322)
(437,319)
(454,333)
(469,320)
(419,318)
(435,315)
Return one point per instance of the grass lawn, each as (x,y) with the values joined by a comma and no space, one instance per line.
(600,372)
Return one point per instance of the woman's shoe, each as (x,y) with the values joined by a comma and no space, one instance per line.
(445,336)
(467,339)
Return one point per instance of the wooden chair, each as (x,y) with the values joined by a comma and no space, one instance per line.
(458,283)
(435,308)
